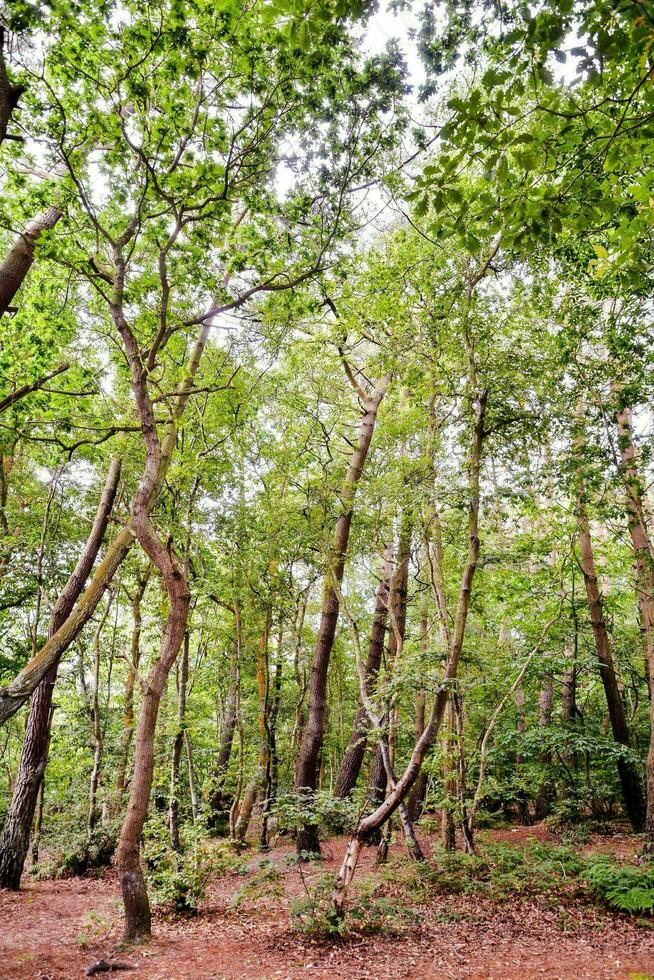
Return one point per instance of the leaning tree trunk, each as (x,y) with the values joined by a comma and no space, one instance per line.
(371,823)
(632,791)
(20,257)
(306,773)
(355,752)
(34,754)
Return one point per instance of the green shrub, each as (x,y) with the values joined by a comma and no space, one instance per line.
(625,888)
(368,913)
(180,880)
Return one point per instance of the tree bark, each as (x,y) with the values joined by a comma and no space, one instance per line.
(355,752)
(637,519)
(219,800)
(257,781)
(375,820)
(174,579)
(9,93)
(135,658)
(20,257)
(178,745)
(34,754)
(632,791)
(306,774)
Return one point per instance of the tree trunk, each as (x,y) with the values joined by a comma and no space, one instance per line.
(272,758)
(178,745)
(257,782)
(219,800)
(306,773)
(18,261)
(94,781)
(521,796)
(546,794)
(637,519)
(632,791)
(174,578)
(135,659)
(34,753)
(355,752)
(375,820)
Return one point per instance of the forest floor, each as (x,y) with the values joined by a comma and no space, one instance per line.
(59,928)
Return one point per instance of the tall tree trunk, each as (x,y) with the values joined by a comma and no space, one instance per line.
(272,758)
(632,791)
(135,659)
(637,519)
(174,578)
(355,752)
(375,820)
(450,782)
(178,745)
(219,800)
(308,764)
(256,784)
(96,724)
(521,796)
(34,754)
(545,797)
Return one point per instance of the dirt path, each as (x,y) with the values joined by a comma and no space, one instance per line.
(56,929)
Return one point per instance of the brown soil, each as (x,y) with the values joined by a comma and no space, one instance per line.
(57,929)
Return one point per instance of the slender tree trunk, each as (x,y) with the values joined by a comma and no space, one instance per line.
(38,823)
(257,782)
(135,659)
(637,519)
(355,752)
(306,774)
(632,791)
(34,754)
(375,820)
(178,745)
(450,782)
(92,816)
(174,579)
(219,799)
(523,803)
(272,759)
(546,794)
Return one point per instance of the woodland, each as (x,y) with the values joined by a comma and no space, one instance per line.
(326,512)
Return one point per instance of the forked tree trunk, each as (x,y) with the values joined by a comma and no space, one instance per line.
(306,773)
(34,754)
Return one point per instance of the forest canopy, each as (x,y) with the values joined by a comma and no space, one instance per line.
(325,437)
